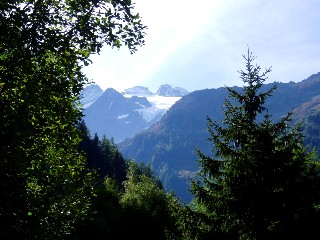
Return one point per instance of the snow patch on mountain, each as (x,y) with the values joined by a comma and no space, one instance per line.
(159,105)
(123,116)
(160,101)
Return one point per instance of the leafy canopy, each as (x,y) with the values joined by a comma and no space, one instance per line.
(44,45)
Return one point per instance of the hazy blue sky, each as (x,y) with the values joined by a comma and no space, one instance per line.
(199,44)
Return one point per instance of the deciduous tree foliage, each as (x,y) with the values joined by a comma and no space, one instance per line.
(139,208)
(45,186)
(145,205)
(261,182)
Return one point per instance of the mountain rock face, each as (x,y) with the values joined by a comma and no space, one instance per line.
(121,115)
(169,145)
(90,94)
(137,91)
(167,91)
(115,116)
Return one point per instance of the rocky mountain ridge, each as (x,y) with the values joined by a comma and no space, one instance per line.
(90,94)
(120,115)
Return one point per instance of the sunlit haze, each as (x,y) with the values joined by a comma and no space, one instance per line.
(199,44)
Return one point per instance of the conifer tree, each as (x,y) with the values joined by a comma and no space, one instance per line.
(261,182)
(311,130)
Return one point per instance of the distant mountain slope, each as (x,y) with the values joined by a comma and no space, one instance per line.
(169,144)
(115,115)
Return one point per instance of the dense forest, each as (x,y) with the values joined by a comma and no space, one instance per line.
(59,182)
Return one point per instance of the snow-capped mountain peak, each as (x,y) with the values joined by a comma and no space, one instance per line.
(90,94)
(122,114)
(168,91)
(137,91)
